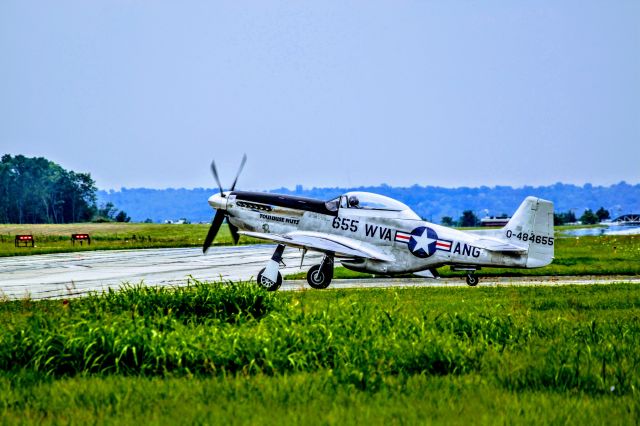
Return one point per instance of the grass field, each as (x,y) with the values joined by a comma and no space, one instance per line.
(112,236)
(211,353)
(109,236)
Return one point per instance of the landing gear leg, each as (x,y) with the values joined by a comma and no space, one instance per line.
(269,277)
(472,280)
(319,276)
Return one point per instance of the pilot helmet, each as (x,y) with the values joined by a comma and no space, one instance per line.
(353,201)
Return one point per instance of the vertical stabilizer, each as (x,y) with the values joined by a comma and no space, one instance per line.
(532,226)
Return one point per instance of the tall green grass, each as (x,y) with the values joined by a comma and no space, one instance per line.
(195,302)
(236,353)
(211,329)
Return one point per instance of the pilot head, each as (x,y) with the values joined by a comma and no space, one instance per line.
(353,201)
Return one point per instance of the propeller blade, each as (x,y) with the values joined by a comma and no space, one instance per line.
(244,160)
(213,230)
(215,175)
(234,232)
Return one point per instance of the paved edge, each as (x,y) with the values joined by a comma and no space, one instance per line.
(301,285)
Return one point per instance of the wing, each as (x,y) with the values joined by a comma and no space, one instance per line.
(325,243)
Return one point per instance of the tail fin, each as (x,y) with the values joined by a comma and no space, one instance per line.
(532,224)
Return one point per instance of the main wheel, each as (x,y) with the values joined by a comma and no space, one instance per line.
(319,278)
(472,280)
(266,283)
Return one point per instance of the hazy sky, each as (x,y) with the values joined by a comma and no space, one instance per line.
(324,93)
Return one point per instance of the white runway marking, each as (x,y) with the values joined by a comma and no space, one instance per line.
(65,274)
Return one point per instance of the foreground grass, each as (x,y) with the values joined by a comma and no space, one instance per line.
(299,399)
(109,236)
(236,354)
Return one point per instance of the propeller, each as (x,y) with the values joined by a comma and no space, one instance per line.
(221,215)
(214,170)
(215,175)
(234,232)
(213,230)
(244,160)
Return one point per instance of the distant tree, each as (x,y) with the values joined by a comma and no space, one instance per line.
(588,217)
(122,217)
(468,219)
(106,213)
(147,220)
(36,190)
(602,214)
(447,221)
(564,218)
(558,219)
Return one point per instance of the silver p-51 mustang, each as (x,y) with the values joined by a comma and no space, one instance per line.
(377,234)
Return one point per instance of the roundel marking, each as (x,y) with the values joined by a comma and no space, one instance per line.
(423,242)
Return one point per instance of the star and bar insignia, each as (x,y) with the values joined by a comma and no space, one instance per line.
(423,241)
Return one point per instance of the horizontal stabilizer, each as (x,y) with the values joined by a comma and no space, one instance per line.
(499,246)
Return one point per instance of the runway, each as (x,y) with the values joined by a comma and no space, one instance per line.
(64,274)
(73,274)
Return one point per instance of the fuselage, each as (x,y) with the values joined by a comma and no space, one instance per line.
(385,224)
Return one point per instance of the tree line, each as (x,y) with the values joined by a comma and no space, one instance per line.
(469,219)
(36,190)
(431,203)
(587,218)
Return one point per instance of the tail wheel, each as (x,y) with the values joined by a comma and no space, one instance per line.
(319,278)
(266,283)
(472,280)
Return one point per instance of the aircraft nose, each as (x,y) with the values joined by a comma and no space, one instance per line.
(218,202)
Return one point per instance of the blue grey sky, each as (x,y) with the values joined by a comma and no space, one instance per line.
(324,93)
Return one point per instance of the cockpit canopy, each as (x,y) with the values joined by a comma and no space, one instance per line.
(369,201)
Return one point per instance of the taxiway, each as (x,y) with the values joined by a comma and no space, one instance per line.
(73,274)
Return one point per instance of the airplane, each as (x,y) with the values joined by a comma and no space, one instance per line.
(373,233)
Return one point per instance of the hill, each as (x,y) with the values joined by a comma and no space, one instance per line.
(430,202)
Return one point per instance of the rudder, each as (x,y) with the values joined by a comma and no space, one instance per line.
(532,226)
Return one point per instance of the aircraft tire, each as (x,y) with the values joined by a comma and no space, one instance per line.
(319,279)
(267,284)
(472,280)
